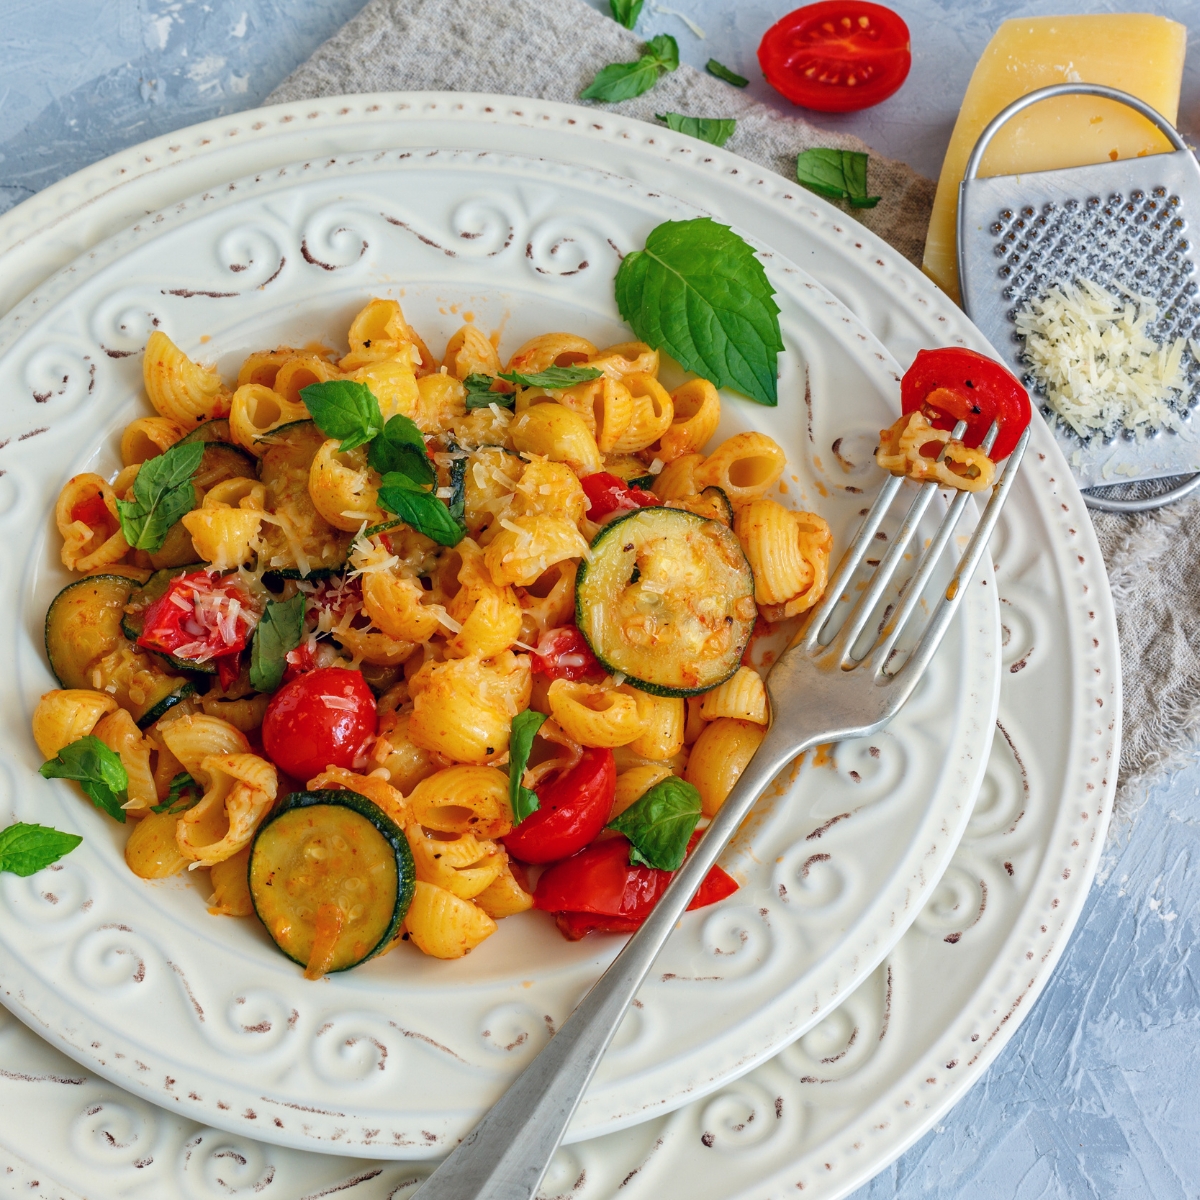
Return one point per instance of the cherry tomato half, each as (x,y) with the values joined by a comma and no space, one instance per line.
(597,889)
(563,653)
(321,719)
(956,384)
(838,56)
(606,494)
(573,809)
(92,511)
(200,617)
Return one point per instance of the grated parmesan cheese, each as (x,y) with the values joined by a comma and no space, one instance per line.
(1089,351)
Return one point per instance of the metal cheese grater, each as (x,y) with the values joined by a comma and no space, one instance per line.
(1115,223)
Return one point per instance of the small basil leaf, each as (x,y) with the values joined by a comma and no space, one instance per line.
(480,394)
(280,630)
(659,824)
(836,174)
(97,769)
(553,377)
(162,493)
(723,72)
(420,509)
(698,292)
(717,130)
(624,81)
(183,793)
(26,849)
(626,12)
(344,409)
(458,484)
(524,726)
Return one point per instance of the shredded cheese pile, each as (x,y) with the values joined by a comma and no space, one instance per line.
(1089,350)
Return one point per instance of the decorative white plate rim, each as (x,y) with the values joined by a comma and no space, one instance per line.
(237,1036)
(1005,986)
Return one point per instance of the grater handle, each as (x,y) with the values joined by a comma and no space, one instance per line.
(1069,89)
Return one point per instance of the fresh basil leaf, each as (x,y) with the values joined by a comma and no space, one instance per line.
(624,81)
(626,12)
(723,72)
(664,49)
(523,801)
(96,769)
(717,130)
(480,394)
(183,793)
(344,409)
(421,509)
(836,174)
(162,493)
(457,506)
(26,849)
(400,447)
(698,292)
(553,377)
(659,825)
(280,630)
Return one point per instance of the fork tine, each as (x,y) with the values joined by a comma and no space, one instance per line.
(915,664)
(929,560)
(851,560)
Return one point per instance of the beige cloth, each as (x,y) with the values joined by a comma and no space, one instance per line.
(551,49)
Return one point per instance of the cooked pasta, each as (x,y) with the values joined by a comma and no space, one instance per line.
(447,630)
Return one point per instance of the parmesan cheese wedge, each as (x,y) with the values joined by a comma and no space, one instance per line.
(1137,53)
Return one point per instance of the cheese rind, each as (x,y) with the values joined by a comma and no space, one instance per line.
(1139,54)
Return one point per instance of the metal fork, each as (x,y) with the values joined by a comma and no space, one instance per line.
(830,684)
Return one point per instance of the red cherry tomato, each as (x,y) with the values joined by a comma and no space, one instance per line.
(92,511)
(838,56)
(563,653)
(606,494)
(956,384)
(323,719)
(573,809)
(597,889)
(200,617)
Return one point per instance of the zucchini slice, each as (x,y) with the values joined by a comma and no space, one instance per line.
(667,600)
(83,624)
(284,469)
(134,620)
(712,503)
(87,648)
(629,470)
(323,849)
(216,430)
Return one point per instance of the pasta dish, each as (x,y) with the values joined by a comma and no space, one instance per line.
(396,647)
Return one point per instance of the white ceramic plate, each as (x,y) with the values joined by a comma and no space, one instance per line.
(938,999)
(405,1053)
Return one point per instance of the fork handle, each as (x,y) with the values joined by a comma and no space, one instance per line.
(507,1154)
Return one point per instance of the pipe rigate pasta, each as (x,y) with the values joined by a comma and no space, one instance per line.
(65,715)
(463,800)
(743,696)
(557,433)
(550,350)
(789,554)
(257,409)
(744,466)
(147,437)
(911,446)
(653,412)
(697,415)
(468,352)
(443,925)
(594,715)
(180,389)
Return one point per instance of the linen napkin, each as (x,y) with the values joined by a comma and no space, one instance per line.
(551,49)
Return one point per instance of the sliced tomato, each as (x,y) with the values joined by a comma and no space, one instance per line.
(228,668)
(597,889)
(956,384)
(563,653)
(324,718)
(608,494)
(200,617)
(838,56)
(573,809)
(92,511)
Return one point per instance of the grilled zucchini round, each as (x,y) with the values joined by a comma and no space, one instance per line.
(667,600)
